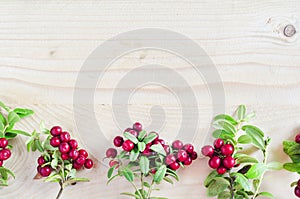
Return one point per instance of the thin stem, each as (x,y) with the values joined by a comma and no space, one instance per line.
(60,191)
(231,188)
(150,189)
(142,183)
(137,190)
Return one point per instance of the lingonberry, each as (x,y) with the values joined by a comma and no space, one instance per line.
(118,141)
(113,163)
(64,156)
(218,143)
(137,126)
(227,149)
(83,152)
(297,192)
(297,138)
(167,149)
(147,152)
(39,168)
(170,159)
(153,171)
(182,155)
(41,160)
(188,161)
(55,141)
(157,135)
(73,144)
(174,166)
(127,130)
(298,183)
(194,155)
(128,145)
(214,162)
(207,151)
(65,137)
(162,142)
(80,160)
(73,154)
(88,163)
(221,170)
(189,148)
(64,147)
(45,171)
(111,153)
(77,166)
(5,154)
(56,130)
(177,144)
(3,142)
(1,163)
(134,133)
(228,162)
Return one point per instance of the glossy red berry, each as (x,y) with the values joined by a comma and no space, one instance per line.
(297,138)
(5,154)
(64,156)
(56,130)
(182,155)
(221,170)
(73,144)
(88,163)
(1,163)
(207,151)
(118,141)
(83,152)
(177,144)
(128,145)
(228,162)
(137,126)
(55,141)
(194,155)
(38,169)
(153,171)
(77,166)
(188,161)
(297,192)
(170,159)
(41,160)
(214,162)
(134,133)
(227,149)
(189,148)
(73,154)
(113,163)
(3,142)
(111,153)
(127,130)
(64,147)
(218,143)
(65,137)
(80,160)
(167,149)
(45,171)
(174,166)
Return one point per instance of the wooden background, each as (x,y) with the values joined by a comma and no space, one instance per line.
(44,44)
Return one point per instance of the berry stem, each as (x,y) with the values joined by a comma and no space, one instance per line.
(137,190)
(150,189)
(60,191)
(231,186)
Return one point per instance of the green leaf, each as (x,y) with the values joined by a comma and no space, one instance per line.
(287,145)
(244,139)
(128,174)
(110,171)
(224,195)
(256,136)
(10,135)
(4,106)
(294,150)
(54,163)
(146,184)
(128,194)
(168,180)
(3,119)
(144,165)
(243,181)
(1,129)
(112,178)
(19,132)
(274,166)
(131,137)
(243,158)
(53,177)
(152,136)
(160,174)
(293,167)
(7,171)
(172,173)
(256,170)
(241,112)
(266,194)
(217,186)
(254,129)
(210,178)
(295,183)
(13,118)
(21,112)
(159,149)
(227,118)
(134,154)
(228,127)
(142,135)
(220,133)
(141,146)
(38,145)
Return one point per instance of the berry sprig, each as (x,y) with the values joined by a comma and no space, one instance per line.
(8,118)
(147,157)
(292,149)
(60,157)
(237,175)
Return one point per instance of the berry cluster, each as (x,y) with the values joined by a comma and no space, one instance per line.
(297,188)
(220,156)
(68,149)
(5,153)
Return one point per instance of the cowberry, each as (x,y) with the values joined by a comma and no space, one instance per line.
(177,144)
(228,162)
(65,137)
(297,192)
(214,162)
(41,160)
(55,141)
(111,153)
(64,156)
(137,126)
(147,152)
(170,159)
(134,133)
(88,163)
(182,155)
(64,147)
(298,183)
(297,138)
(167,149)
(39,168)
(77,166)
(118,141)
(73,144)
(207,151)
(174,166)
(83,152)
(5,154)
(153,171)
(221,170)
(45,171)
(80,160)
(56,130)
(188,161)
(128,145)
(162,142)
(218,143)
(1,163)
(113,163)
(127,130)
(194,155)
(3,142)
(73,154)
(227,149)
(189,148)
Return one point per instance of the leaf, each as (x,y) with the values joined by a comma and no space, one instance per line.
(131,137)
(141,146)
(172,173)
(150,138)
(53,177)
(19,132)
(243,158)
(287,145)
(10,135)
(224,125)
(54,163)
(128,174)
(227,118)
(38,145)
(293,167)
(22,112)
(110,171)
(266,194)
(13,118)
(3,119)
(241,112)
(256,136)
(168,180)
(294,183)
(134,154)
(128,194)
(256,170)
(159,149)
(224,195)
(160,174)
(112,178)
(210,177)
(253,129)
(217,186)
(243,181)
(274,166)
(4,106)
(144,165)
(8,171)
(220,133)
(294,150)
(244,139)
(142,135)
(1,129)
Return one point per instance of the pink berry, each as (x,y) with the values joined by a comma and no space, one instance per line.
(64,147)
(3,142)
(73,144)
(88,163)
(41,160)
(174,166)
(134,133)
(5,154)
(218,143)
(83,152)
(297,192)
(297,138)
(188,161)
(56,130)
(113,163)
(189,148)
(194,155)
(111,153)
(55,141)
(170,159)
(167,149)
(221,170)
(177,144)
(207,151)
(182,155)
(214,162)
(228,162)
(128,145)
(45,171)
(153,171)
(1,163)
(65,137)
(227,149)
(118,141)
(73,154)
(64,156)
(80,160)
(77,166)
(137,126)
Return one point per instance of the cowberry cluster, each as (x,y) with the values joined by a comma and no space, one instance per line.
(5,153)
(220,156)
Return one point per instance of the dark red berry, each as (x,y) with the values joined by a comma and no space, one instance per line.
(221,170)
(167,149)
(77,166)
(297,192)
(297,138)
(64,156)
(127,130)
(41,160)
(182,155)
(218,143)
(228,162)
(45,171)
(207,151)
(137,126)
(5,154)
(56,130)
(298,183)
(118,141)
(88,163)
(113,163)
(170,159)
(153,171)
(39,168)
(1,163)
(177,144)
(134,133)
(194,155)
(128,145)
(227,149)
(147,152)
(73,144)
(188,161)
(80,160)
(3,142)
(55,141)
(214,162)
(64,147)
(174,166)
(111,153)
(83,152)
(189,148)
(65,137)
(73,154)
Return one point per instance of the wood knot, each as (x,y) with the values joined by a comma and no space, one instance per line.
(289,30)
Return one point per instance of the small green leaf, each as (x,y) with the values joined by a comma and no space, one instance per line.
(128,194)
(217,186)
(54,163)
(160,174)
(128,174)
(266,194)
(144,165)
(172,173)
(241,112)
(243,158)
(224,195)
(38,145)
(243,181)
(146,184)
(254,129)
(244,139)
(287,145)
(19,132)
(256,170)
(134,154)
(4,106)
(274,166)
(159,149)
(152,136)
(168,180)
(256,136)
(13,118)
(110,171)
(293,167)
(295,183)
(3,119)
(210,178)
(228,127)
(141,146)
(220,133)
(10,135)
(142,135)
(53,177)
(21,112)
(131,137)
(1,129)
(227,118)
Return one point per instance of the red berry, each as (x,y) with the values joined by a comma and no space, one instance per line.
(182,155)
(113,163)
(39,168)
(45,171)
(147,152)
(1,163)
(127,130)
(128,145)
(153,171)
(157,136)
(3,142)
(73,154)
(83,152)
(297,192)
(174,166)
(111,153)
(228,162)
(194,155)
(64,147)
(65,137)
(207,151)
(188,161)
(41,160)
(218,143)
(56,130)
(88,163)
(64,156)
(297,138)
(162,142)
(134,133)
(137,126)
(73,144)
(80,160)
(167,149)
(118,141)
(77,166)
(221,170)
(298,184)
(170,159)
(189,148)
(177,144)
(55,141)
(214,162)
(227,149)
(5,154)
